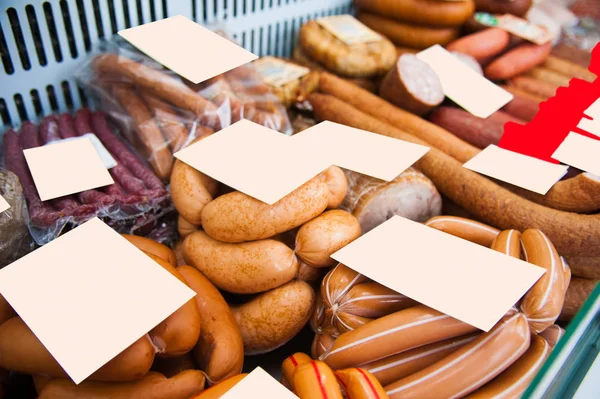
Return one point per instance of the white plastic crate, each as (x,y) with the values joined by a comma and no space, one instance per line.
(43,42)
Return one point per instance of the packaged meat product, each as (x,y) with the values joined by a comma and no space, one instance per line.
(373,201)
(137,203)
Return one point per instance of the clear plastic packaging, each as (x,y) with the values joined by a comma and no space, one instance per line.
(137,203)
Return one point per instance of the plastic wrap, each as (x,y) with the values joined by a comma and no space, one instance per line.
(138,202)
(15,240)
(411,195)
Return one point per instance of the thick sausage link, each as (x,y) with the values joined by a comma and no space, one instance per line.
(553,334)
(220,349)
(337,184)
(470,367)
(245,268)
(360,384)
(321,344)
(467,229)
(188,191)
(373,300)
(237,217)
(395,333)
(337,282)
(514,381)
(395,367)
(152,386)
(289,366)
(315,380)
(508,242)
(544,301)
(318,239)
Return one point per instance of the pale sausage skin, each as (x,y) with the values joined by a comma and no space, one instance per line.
(513,382)
(188,192)
(467,229)
(244,268)
(395,367)
(373,300)
(315,380)
(273,318)
(22,351)
(237,217)
(319,238)
(391,334)
(508,242)
(470,367)
(338,282)
(358,383)
(337,185)
(151,386)
(553,334)
(289,366)
(220,349)
(544,301)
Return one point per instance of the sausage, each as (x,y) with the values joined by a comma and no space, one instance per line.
(189,194)
(289,366)
(483,44)
(344,321)
(153,247)
(515,91)
(408,35)
(220,350)
(237,217)
(218,390)
(423,12)
(516,379)
(274,317)
(49,130)
(471,366)
(508,242)
(179,332)
(552,334)
(522,107)
(155,146)
(315,380)
(152,386)
(466,229)
(245,268)
(548,76)
(533,86)
(586,267)
(159,84)
(66,127)
(22,351)
(474,130)
(373,300)
(185,228)
(572,53)
(337,282)
(337,185)
(6,311)
(503,118)
(515,7)
(169,122)
(321,344)
(403,364)
(358,383)
(171,366)
(517,61)
(569,68)
(544,301)
(578,292)
(308,273)
(412,85)
(321,237)
(391,334)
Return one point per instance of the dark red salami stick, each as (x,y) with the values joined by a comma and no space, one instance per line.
(41,214)
(66,127)
(123,154)
(119,173)
(29,136)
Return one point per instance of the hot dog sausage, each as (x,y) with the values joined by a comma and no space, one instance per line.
(553,334)
(508,242)
(337,282)
(179,332)
(318,239)
(470,367)
(373,300)
(516,61)
(22,351)
(514,381)
(467,229)
(358,383)
(245,268)
(237,217)
(315,380)
(152,386)
(483,44)
(321,344)
(289,366)
(344,322)
(337,185)
(189,194)
(152,247)
(391,334)
(220,350)
(274,317)
(395,367)
(544,301)
(216,391)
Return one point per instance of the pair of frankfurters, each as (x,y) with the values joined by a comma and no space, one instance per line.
(313,379)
